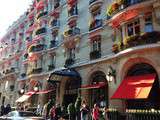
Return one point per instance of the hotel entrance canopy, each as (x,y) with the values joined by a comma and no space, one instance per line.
(63,72)
(135,87)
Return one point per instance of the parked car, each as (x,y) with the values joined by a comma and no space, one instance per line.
(21,115)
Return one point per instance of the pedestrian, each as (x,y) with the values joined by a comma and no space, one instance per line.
(84,110)
(44,111)
(52,113)
(58,112)
(7,109)
(95,112)
(2,110)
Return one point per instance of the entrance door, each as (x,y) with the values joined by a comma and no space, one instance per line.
(99,95)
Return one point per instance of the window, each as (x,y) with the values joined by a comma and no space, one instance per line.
(96,45)
(71,53)
(133,28)
(148,24)
(52,59)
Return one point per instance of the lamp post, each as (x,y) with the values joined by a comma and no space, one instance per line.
(111,75)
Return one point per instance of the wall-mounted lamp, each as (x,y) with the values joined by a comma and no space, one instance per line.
(111,75)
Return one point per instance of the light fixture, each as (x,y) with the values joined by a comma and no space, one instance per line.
(35,88)
(22,91)
(111,75)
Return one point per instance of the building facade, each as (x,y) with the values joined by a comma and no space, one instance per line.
(88,48)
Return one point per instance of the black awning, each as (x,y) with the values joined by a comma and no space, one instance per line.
(66,72)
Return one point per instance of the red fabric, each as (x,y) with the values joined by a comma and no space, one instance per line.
(40,5)
(44,91)
(94,86)
(135,87)
(71,2)
(95,113)
(31,28)
(125,16)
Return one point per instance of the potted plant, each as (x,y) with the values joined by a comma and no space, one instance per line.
(115,48)
(115,6)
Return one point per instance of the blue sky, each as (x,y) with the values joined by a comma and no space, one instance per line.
(10,11)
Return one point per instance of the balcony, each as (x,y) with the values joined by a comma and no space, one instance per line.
(95,54)
(72,16)
(8,71)
(69,62)
(55,24)
(41,31)
(137,40)
(37,48)
(95,5)
(124,6)
(53,44)
(72,32)
(35,71)
(51,67)
(95,24)
(41,14)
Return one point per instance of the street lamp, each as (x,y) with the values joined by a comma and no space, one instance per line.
(111,75)
(35,88)
(22,91)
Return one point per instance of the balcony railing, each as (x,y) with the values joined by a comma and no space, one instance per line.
(51,67)
(136,40)
(72,32)
(41,30)
(69,61)
(55,23)
(73,11)
(135,114)
(41,14)
(122,4)
(53,44)
(95,24)
(35,71)
(37,48)
(8,71)
(95,54)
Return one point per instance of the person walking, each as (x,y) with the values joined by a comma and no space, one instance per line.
(84,111)
(52,113)
(95,112)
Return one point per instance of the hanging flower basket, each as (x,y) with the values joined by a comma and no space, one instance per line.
(115,6)
(115,48)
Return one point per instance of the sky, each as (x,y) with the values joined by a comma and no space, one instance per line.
(10,11)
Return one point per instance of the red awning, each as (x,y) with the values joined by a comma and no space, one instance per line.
(25,97)
(44,91)
(93,86)
(40,5)
(135,87)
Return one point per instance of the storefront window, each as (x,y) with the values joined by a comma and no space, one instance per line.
(133,28)
(148,24)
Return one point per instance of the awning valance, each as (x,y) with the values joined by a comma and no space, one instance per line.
(135,87)
(44,91)
(68,72)
(25,97)
(92,86)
